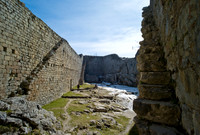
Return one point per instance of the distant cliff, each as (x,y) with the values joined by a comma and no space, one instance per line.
(110,68)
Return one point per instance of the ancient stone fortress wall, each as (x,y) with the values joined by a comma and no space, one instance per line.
(169,66)
(34,60)
(110,68)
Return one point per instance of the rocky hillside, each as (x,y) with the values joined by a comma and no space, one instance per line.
(110,68)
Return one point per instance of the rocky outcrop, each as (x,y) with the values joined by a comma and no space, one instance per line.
(110,68)
(168,63)
(19,116)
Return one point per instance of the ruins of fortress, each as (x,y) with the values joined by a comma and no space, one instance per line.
(169,66)
(39,64)
(34,60)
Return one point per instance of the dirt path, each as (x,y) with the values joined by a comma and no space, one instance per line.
(66,125)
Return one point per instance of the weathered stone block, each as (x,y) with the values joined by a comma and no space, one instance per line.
(150,57)
(151,66)
(148,128)
(142,126)
(162,78)
(157,111)
(154,92)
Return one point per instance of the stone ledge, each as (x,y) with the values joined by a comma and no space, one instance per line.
(162,78)
(154,92)
(149,128)
(157,111)
(151,56)
(149,66)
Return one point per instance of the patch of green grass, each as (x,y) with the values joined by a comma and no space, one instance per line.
(58,112)
(58,103)
(9,112)
(75,107)
(122,120)
(83,119)
(70,93)
(57,107)
(85,86)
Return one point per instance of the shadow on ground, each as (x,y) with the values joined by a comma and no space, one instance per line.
(133,131)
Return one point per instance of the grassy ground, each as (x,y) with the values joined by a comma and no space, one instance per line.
(83,119)
(123,121)
(85,86)
(57,107)
(70,93)
(75,107)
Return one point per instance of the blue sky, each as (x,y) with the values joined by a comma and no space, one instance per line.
(94,27)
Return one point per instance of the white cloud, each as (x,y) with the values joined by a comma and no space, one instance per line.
(125,44)
(95,27)
(130,5)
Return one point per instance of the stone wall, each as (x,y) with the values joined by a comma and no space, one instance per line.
(169,66)
(110,68)
(34,60)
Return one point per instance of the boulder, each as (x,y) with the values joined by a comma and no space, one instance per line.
(3,117)
(27,115)
(100,109)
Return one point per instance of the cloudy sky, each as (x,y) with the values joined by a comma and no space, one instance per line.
(94,27)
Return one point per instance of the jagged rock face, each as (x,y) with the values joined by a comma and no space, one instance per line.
(168,62)
(27,117)
(111,69)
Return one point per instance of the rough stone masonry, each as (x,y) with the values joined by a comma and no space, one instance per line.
(34,60)
(169,66)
